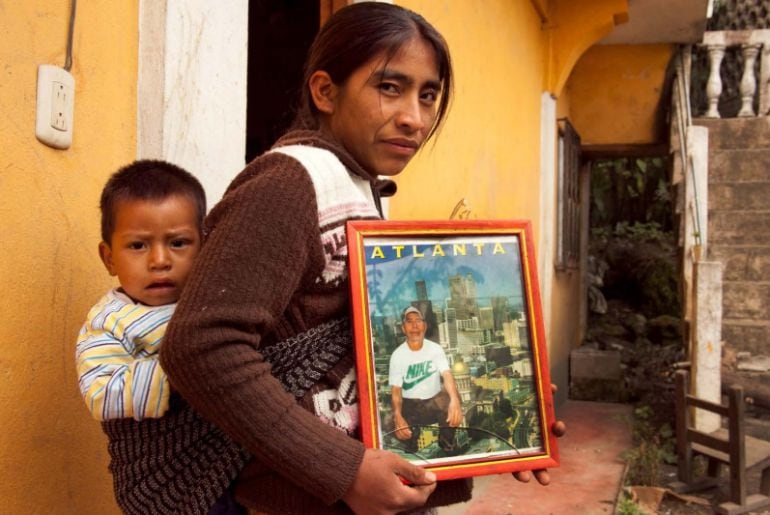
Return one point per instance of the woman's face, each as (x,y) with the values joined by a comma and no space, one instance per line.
(384,111)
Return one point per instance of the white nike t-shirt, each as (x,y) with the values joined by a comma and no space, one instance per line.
(418,373)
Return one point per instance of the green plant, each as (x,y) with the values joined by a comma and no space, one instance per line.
(639,231)
(627,506)
(632,189)
(600,232)
(653,446)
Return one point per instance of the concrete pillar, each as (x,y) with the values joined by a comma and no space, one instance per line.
(707,331)
(694,217)
(547,227)
(191,90)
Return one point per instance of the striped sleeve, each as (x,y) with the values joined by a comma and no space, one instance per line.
(117,360)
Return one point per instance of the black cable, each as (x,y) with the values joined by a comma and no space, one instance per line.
(466,428)
(68,62)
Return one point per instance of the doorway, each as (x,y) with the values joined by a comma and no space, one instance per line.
(280,33)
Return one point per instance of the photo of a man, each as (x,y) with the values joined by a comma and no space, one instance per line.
(423,390)
(452,368)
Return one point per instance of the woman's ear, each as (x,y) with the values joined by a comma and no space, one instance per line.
(323,91)
(105,252)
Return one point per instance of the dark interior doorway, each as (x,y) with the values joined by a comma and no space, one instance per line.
(280,33)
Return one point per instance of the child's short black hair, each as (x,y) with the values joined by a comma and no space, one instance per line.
(148,179)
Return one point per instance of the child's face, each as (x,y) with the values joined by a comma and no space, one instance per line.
(153,247)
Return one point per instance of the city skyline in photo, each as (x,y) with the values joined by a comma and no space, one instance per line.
(393,269)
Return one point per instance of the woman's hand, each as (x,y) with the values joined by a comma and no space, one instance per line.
(558,428)
(379,487)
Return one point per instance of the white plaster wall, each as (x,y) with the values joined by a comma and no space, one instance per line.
(192,87)
(546,242)
(708,341)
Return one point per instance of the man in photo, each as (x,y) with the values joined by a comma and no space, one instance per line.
(417,369)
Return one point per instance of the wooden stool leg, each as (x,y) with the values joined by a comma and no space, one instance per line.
(683,447)
(764,485)
(737,449)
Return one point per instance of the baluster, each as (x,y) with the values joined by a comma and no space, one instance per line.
(714,84)
(748,80)
(764,79)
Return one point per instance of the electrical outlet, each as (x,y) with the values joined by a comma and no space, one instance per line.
(59,95)
(55,106)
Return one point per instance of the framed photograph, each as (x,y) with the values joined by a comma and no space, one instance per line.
(451,357)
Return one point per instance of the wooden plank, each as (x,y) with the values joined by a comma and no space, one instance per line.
(757,452)
(708,440)
(592,152)
(696,402)
(753,503)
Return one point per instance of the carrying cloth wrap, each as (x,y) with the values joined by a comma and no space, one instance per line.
(317,368)
(181,463)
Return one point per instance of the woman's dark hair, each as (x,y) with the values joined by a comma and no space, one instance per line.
(149,179)
(358,32)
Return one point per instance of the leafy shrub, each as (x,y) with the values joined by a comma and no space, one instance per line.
(653,446)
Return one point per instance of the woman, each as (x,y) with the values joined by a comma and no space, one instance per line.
(260,342)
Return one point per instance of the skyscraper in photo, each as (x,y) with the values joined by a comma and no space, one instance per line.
(500,312)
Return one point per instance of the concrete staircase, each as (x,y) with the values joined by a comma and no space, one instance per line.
(739,227)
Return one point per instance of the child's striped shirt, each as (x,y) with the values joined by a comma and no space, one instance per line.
(117,359)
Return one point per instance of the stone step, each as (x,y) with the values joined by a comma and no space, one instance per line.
(744,165)
(727,227)
(742,262)
(748,336)
(739,196)
(732,133)
(746,300)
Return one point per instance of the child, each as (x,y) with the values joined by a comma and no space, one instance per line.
(152,214)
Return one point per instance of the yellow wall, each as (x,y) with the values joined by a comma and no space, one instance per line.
(573,26)
(506,55)
(565,297)
(52,454)
(616,91)
(489,150)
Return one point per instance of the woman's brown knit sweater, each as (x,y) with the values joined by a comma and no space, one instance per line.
(274,267)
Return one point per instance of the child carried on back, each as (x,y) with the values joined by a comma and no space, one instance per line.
(152,214)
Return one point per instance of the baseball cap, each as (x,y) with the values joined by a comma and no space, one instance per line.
(410,309)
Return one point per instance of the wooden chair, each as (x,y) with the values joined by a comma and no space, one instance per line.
(728,446)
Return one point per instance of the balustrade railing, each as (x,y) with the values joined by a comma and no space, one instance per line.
(753,44)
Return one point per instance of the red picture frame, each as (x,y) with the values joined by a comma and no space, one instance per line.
(475,286)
